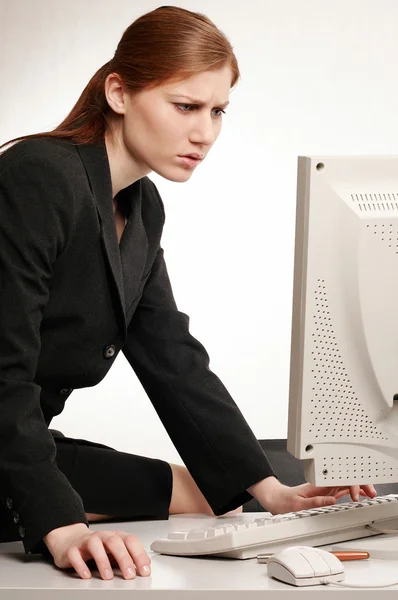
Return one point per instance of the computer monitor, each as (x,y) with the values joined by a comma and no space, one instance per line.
(343,396)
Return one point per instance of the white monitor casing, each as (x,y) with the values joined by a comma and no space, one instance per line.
(343,420)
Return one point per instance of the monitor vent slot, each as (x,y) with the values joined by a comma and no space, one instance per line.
(376,202)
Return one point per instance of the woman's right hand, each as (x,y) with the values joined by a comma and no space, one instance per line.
(73,545)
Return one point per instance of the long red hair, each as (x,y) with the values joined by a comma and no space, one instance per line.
(164,44)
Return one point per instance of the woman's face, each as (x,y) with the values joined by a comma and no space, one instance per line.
(175,119)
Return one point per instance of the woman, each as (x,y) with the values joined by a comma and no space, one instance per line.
(83,277)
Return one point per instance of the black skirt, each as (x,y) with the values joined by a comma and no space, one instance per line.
(117,484)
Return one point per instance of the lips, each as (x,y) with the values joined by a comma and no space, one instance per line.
(188,161)
(194,155)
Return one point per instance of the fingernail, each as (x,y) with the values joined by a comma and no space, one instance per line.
(108,574)
(130,572)
(86,574)
(146,569)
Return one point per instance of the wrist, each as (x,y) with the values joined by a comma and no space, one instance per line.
(60,533)
(263,491)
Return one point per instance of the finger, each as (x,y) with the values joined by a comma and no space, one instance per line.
(117,548)
(138,549)
(316,502)
(75,558)
(310,491)
(96,549)
(354,491)
(342,493)
(369,490)
(313,491)
(140,557)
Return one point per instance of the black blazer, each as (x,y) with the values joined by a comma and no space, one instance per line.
(71,298)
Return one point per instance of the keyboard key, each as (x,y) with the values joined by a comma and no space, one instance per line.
(177,535)
(214,532)
(228,529)
(196,534)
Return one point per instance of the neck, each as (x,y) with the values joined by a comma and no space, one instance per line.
(124,168)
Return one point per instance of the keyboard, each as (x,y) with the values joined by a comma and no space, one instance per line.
(271,533)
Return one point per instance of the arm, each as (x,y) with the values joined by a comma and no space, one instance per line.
(35,199)
(204,423)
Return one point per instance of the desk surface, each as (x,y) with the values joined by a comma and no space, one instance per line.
(31,577)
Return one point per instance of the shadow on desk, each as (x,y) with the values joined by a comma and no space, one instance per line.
(290,471)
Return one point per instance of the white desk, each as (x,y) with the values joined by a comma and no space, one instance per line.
(30,577)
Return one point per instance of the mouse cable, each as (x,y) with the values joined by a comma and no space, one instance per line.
(381,530)
(352,585)
(376,530)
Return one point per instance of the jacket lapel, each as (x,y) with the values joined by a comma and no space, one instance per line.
(134,243)
(95,160)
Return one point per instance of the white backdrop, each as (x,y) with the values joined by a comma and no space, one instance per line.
(317,78)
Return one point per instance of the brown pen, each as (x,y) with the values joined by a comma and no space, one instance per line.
(351,555)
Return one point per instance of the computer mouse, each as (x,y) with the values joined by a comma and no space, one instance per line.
(303,565)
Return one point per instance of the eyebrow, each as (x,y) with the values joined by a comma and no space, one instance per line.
(195,101)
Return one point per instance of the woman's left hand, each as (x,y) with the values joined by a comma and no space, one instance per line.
(307,495)
(277,498)
(310,493)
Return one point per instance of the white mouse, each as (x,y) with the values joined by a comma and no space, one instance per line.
(303,565)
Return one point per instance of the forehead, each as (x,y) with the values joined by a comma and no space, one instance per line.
(206,87)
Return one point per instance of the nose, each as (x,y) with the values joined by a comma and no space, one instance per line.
(204,131)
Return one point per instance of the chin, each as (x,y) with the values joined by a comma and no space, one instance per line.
(177,175)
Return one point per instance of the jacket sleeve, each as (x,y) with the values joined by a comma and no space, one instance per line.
(35,205)
(202,420)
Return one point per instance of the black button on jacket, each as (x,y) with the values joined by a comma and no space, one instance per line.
(67,291)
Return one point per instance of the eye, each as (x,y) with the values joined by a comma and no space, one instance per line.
(185,108)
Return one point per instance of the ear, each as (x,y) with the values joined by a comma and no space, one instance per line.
(115,93)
